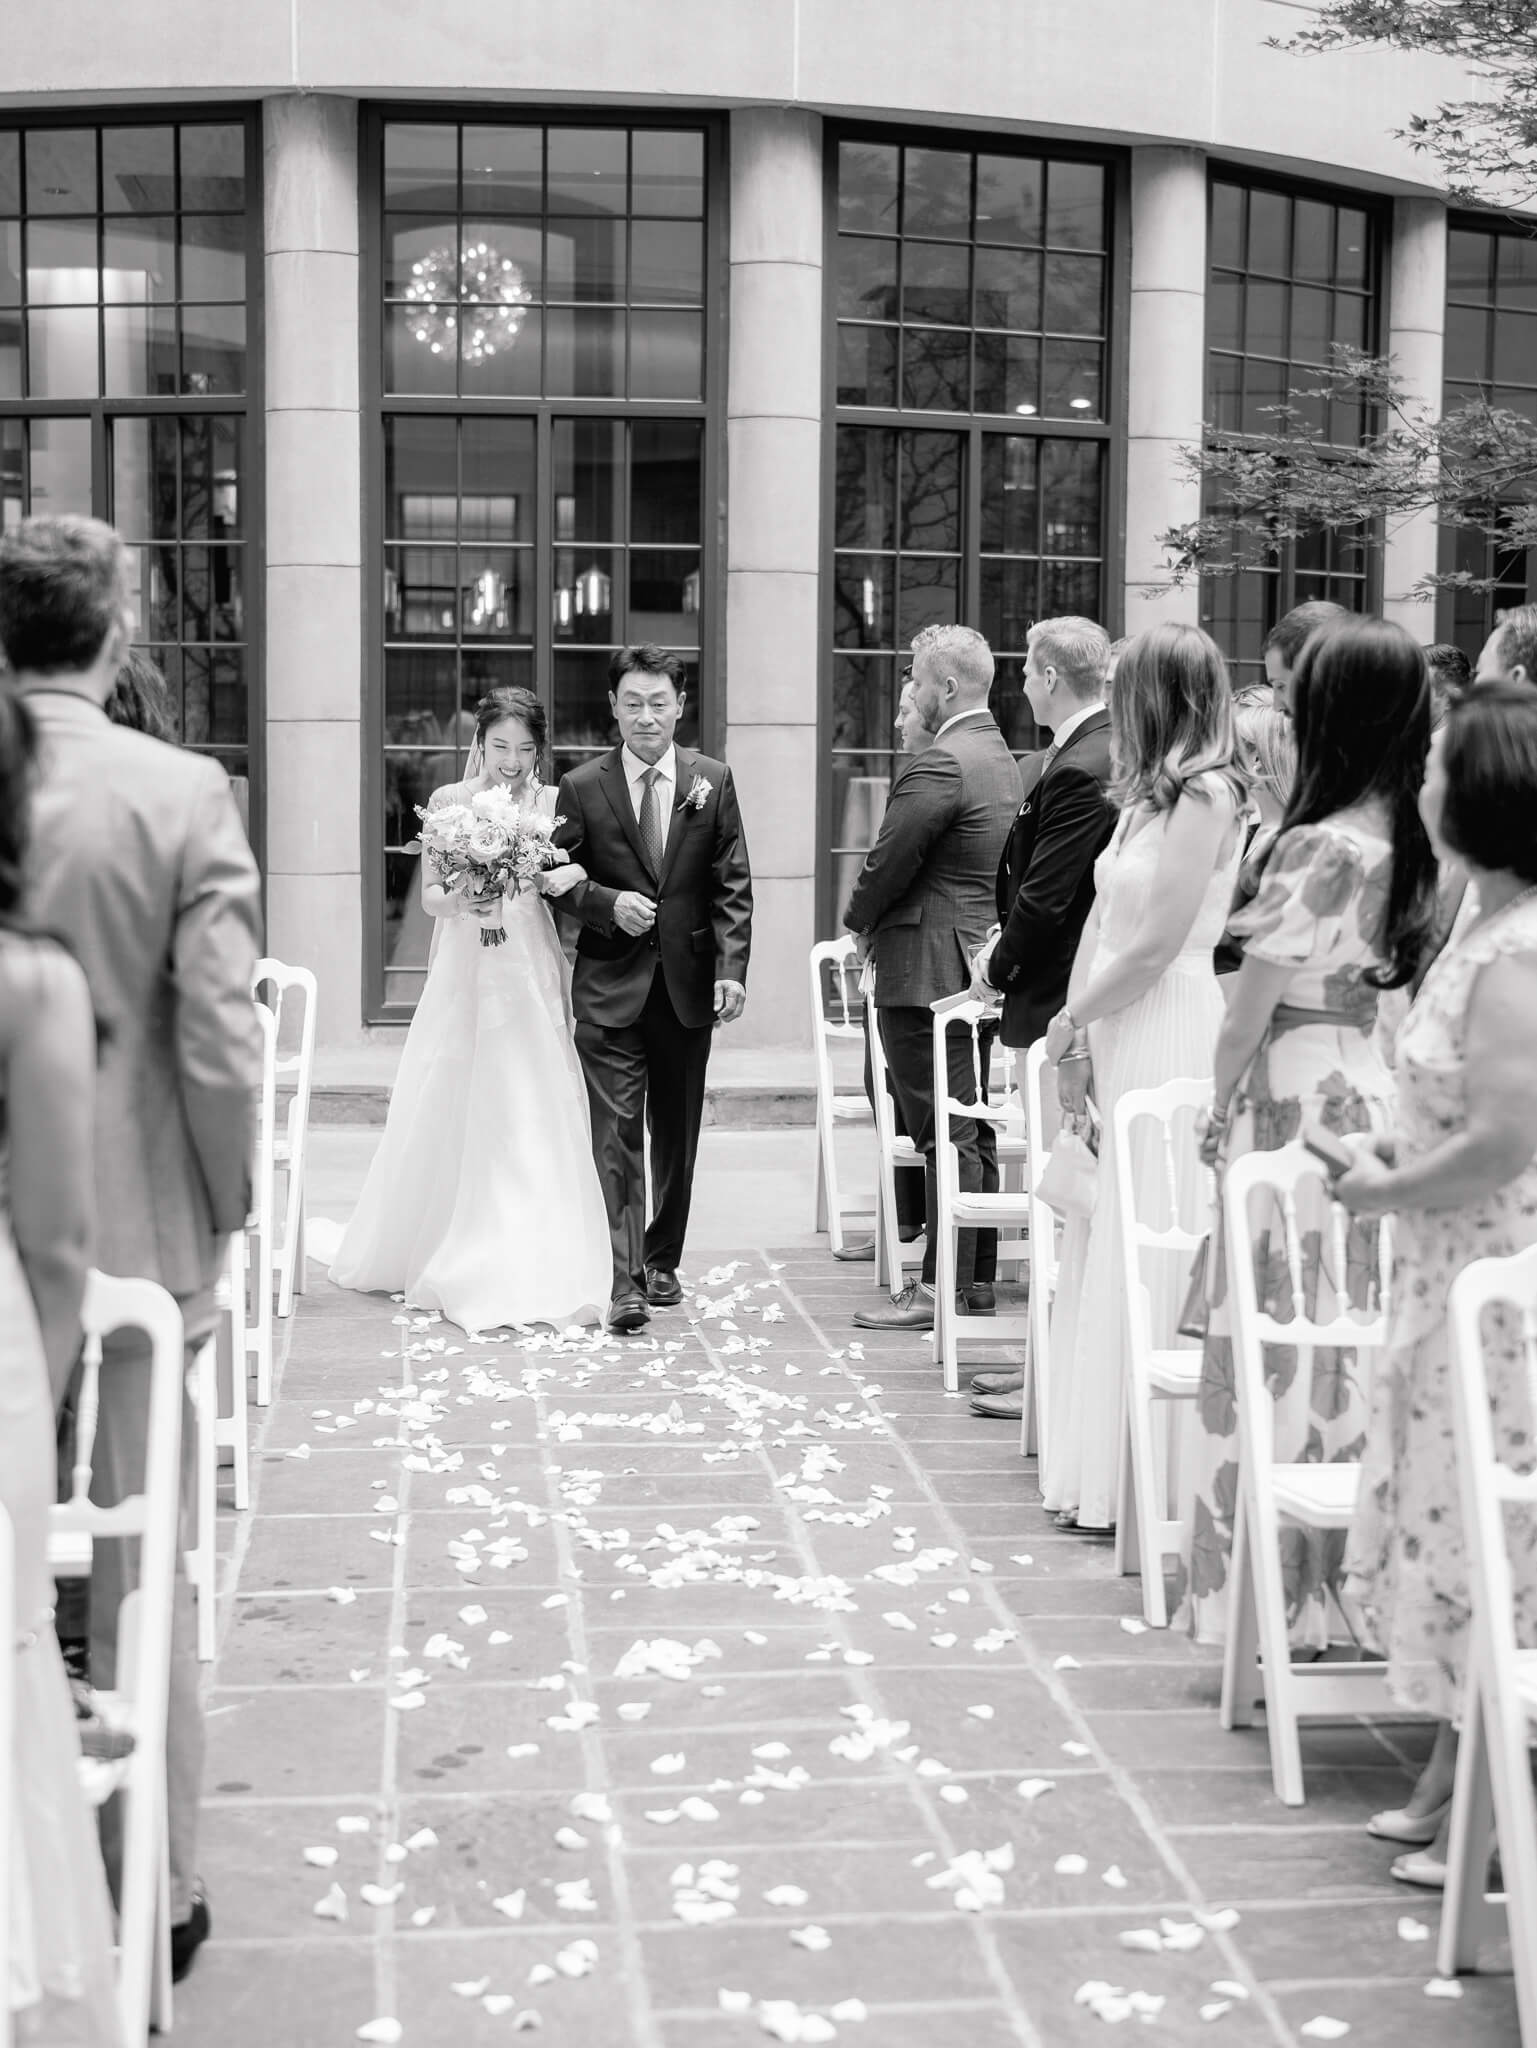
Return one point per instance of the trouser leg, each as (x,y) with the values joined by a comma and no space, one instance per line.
(614,1063)
(677,1056)
(909,1193)
(907,1036)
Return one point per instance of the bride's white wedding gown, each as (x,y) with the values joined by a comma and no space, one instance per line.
(482,1200)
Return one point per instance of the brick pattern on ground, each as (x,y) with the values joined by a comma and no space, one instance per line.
(732,1684)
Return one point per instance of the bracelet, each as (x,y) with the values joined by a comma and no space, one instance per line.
(1219,1119)
(1068,1058)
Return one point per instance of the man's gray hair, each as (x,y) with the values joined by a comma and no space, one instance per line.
(957,651)
(1076,648)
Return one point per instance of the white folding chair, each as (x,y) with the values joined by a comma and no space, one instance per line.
(894,1154)
(1163,1371)
(139,1697)
(1499,1725)
(1043,1119)
(201,1563)
(8,1654)
(1006,1211)
(251,1258)
(1313,1497)
(835,1021)
(290,984)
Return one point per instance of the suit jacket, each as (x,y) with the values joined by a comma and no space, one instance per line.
(138,859)
(703,894)
(925,893)
(1046,878)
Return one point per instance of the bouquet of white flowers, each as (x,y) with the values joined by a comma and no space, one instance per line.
(488,848)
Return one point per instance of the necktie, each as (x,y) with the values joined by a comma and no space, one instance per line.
(651,819)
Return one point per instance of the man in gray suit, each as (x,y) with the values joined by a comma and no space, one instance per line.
(922,906)
(138,860)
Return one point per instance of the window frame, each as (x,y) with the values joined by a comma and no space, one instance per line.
(1379,213)
(376,405)
(1110,431)
(250,404)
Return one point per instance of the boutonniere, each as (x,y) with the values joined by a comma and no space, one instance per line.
(698,791)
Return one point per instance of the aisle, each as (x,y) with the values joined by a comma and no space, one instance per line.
(694,1690)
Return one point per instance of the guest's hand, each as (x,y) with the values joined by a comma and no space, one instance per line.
(1060,1034)
(1367,1189)
(982,990)
(730,1001)
(864,946)
(634,913)
(1211,1129)
(1073,1087)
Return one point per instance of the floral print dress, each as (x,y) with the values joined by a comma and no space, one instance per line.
(1320,910)
(1405,1561)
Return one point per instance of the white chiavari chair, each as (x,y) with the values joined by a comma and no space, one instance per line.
(1271,1495)
(1499,1723)
(1043,1119)
(290,986)
(835,1021)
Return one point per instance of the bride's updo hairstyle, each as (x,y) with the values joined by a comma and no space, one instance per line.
(1171,719)
(510,700)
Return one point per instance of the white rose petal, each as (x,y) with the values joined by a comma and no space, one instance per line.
(1412,1930)
(1222,1921)
(519,1749)
(1032,1788)
(1115,1877)
(1323,2028)
(668,1766)
(1071,1866)
(384,2032)
(814,1938)
(333,1906)
(380,1894)
(1443,1987)
(353,1824)
(473,1987)
(511,1904)
(323,1858)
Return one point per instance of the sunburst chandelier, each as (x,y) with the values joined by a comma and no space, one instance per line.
(494,292)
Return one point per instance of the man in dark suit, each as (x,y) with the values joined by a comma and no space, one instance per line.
(921,906)
(1046,876)
(666,915)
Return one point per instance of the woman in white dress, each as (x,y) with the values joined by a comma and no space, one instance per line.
(482,1200)
(1143,1007)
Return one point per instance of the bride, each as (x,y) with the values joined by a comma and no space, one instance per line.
(482,1200)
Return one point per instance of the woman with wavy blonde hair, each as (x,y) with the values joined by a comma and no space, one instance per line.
(1143,1007)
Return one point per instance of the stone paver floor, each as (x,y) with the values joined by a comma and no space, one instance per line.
(434,1708)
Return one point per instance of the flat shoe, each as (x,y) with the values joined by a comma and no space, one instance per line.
(858,1254)
(997,1382)
(999,1407)
(1422,1871)
(1415,1831)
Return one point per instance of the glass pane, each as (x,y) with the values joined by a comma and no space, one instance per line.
(139,260)
(936,369)
(1008,602)
(213,256)
(499,351)
(1010,194)
(144,478)
(213,168)
(584,352)
(10,355)
(1008,288)
(1313,241)
(1264,386)
(864,601)
(1010,464)
(61,353)
(420,593)
(503,169)
(667,172)
(664,597)
(213,348)
(1070,587)
(666,477)
(498,266)
(196,595)
(584,605)
(867,185)
(61,170)
(420,348)
(419,258)
(1350,313)
(498,480)
(1227,211)
(582,717)
(1070,380)
(213,698)
(584,259)
(929,596)
(867,278)
(61,262)
(936,192)
(1517,271)
(140,351)
(1008,374)
(421,166)
(1265,325)
(496,593)
(421,698)
(587,170)
(10,171)
(589,469)
(931,491)
(864,701)
(1075,294)
(59,466)
(865,500)
(1515,348)
(421,479)
(936,282)
(491,668)
(867,365)
(1225,381)
(210,477)
(1075,206)
(154,583)
(10,263)
(1311,312)
(666,262)
(138,170)
(1224,312)
(1269,232)
(1071,495)
(1469,257)
(1350,264)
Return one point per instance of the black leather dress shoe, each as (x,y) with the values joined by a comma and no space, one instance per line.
(979,1299)
(663,1289)
(628,1313)
(188,1936)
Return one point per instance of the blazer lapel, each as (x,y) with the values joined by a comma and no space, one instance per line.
(684,768)
(616,788)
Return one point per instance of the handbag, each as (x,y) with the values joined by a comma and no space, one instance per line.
(1068,1180)
(1195,1312)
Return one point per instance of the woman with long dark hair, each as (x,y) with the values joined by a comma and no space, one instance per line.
(482,1200)
(1344,910)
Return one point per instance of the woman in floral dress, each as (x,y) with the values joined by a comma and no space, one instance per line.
(1460,1169)
(1343,910)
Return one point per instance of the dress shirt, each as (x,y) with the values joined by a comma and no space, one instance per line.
(1069,726)
(977,711)
(635,770)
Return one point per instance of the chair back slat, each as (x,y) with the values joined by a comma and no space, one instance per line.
(1507,1289)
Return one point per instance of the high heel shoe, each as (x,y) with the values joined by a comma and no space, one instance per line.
(1414,1830)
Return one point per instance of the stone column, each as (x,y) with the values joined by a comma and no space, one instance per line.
(1166,372)
(314,550)
(1416,328)
(773,555)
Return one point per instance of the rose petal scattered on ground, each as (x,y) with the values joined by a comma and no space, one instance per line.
(333,1906)
(323,1858)
(1443,1987)
(1412,1930)
(1071,1866)
(1324,2028)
